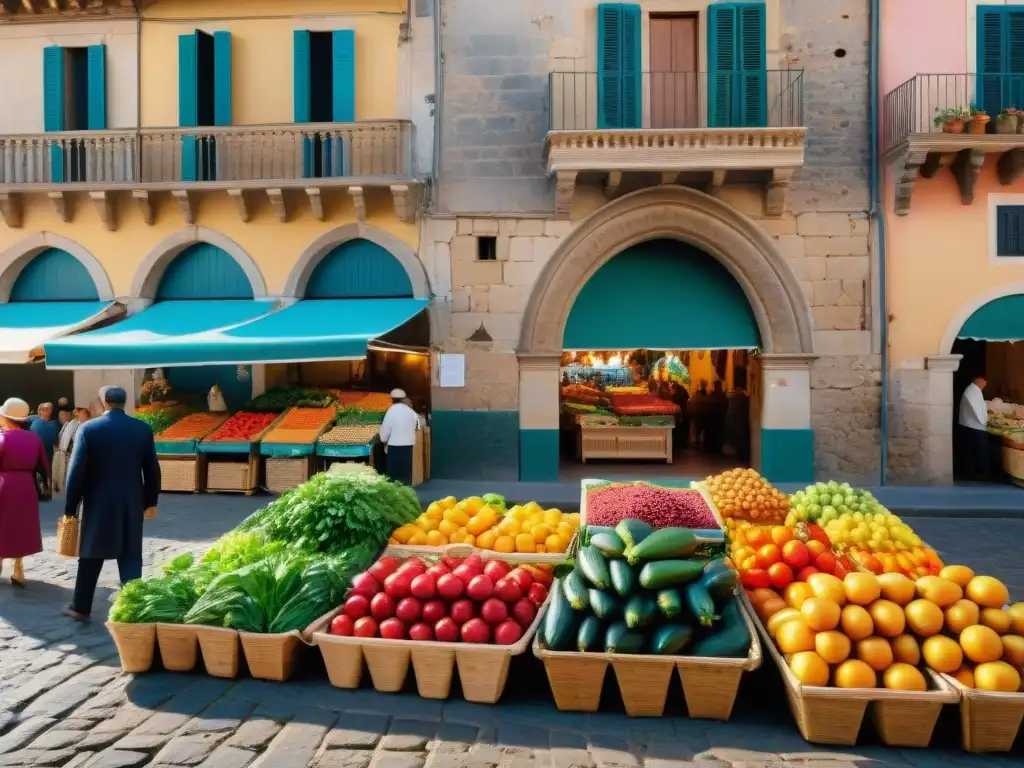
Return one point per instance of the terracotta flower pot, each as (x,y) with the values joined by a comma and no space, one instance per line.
(1007,124)
(953,126)
(978,124)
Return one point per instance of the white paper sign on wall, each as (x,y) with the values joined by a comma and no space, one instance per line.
(451,370)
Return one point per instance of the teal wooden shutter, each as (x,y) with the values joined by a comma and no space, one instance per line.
(609,65)
(302,97)
(222,78)
(632,68)
(722,31)
(188,102)
(1015,58)
(53,105)
(96,65)
(344,76)
(751,54)
(992,52)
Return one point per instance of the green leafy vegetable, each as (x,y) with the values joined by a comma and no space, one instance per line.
(142,601)
(159,420)
(282,398)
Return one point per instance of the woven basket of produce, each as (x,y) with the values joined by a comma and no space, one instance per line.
(285,474)
(240,476)
(272,656)
(221,651)
(989,720)
(136,645)
(179,646)
(183,474)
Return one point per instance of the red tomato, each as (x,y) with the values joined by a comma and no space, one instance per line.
(815,548)
(756,578)
(392,629)
(538,594)
(781,575)
(795,555)
(840,571)
(365,627)
(507,633)
(342,625)
(446,630)
(805,572)
(818,534)
(768,555)
(421,631)
(522,577)
(825,562)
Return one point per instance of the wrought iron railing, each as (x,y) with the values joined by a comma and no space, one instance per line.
(209,154)
(912,107)
(771,98)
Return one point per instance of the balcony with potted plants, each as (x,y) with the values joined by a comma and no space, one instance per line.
(954,121)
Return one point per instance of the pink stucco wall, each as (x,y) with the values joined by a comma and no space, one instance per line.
(922,36)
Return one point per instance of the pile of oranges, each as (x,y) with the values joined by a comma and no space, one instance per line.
(525,529)
(742,494)
(192,427)
(300,425)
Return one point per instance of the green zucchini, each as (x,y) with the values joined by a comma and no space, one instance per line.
(588,639)
(621,639)
(719,582)
(670,639)
(664,544)
(594,566)
(559,621)
(604,606)
(670,573)
(632,532)
(591,531)
(576,591)
(701,606)
(640,611)
(609,544)
(623,577)
(670,603)
(731,640)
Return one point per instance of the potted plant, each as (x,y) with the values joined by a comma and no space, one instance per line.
(1008,120)
(978,120)
(952,119)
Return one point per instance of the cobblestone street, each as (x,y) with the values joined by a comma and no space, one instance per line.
(63,701)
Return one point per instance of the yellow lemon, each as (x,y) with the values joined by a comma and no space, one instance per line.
(457,516)
(565,530)
(406,532)
(426,524)
(487,539)
(535,519)
(447,527)
(473,504)
(448,502)
(505,544)
(540,532)
(525,543)
(436,539)
(488,514)
(418,540)
(553,517)
(555,543)
(573,518)
(532,507)
(434,509)
(508,527)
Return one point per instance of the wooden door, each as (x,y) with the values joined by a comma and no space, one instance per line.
(673,85)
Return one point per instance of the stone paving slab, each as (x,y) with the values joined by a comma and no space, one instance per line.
(63,701)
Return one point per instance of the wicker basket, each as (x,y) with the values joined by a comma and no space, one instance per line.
(68,530)
(285,474)
(220,649)
(710,685)
(238,476)
(483,669)
(1013,462)
(179,646)
(272,656)
(834,715)
(989,721)
(181,474)
(136,645)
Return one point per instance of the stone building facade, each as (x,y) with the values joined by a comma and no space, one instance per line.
(797,235)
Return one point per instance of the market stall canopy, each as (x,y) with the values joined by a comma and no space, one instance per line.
(165,334)
(662,294)
(26,325)
(1000,320)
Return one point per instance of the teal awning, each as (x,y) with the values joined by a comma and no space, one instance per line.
(162,335)
(26,325)
(1000,320)
(662,294)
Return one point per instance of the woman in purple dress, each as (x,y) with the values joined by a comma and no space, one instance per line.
(21,456)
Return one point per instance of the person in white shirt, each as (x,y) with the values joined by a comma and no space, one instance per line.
(398,433)
(973,421)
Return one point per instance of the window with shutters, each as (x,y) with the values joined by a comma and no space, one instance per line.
(1000,52)
(74,99)
(737,67)
(1010,230)
(204,98)
(325,93)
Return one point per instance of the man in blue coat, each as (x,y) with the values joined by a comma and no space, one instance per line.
(115,476)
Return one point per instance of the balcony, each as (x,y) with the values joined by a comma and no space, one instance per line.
(690,128)
(921,145)
(284,162)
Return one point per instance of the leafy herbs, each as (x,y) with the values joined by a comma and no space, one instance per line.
(158,421)
(282,398)
(142,601)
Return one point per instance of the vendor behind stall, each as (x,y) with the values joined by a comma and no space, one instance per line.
(973,423)
(398,433)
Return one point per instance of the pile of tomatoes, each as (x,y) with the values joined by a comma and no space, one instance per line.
(241,427)
(775,556)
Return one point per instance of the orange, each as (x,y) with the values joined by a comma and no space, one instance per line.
(996,676)
(981,644)
(964,676)
(820,614)
(781,535)
(780,618)
(875,652)
(828,586)
(862,588)
(768,555)
(942,592)
(760,595)
(505,544)
(525,543)
(770,607)
(555,543)
(904,677)
(540,532)
(896,588)
(795,636)
(809,668)
(987,592)
(960,575)
(960,615)
(833,647)
(796,593)
(436,539)
(942,654)
(924,618)
(487,539)
(888,617)
(997,618)
(447,527)
(1016,612)
(1013,650)
(856,622)
(853,673)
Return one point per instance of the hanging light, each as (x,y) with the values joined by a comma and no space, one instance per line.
(242,373)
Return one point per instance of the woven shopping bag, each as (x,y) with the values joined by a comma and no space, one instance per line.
(67,536)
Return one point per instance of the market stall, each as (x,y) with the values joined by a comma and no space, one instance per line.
(232,452)
(1006,422)
(288,449)
(182,467)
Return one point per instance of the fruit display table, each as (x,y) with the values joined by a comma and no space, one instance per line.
(181,467)
(618,442)
(289,448)
(231,452)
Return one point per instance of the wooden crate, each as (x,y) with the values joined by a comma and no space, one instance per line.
(625,443)
(183,474)
(239,475)
(285,474)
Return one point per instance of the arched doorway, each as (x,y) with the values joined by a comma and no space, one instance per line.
(782,440)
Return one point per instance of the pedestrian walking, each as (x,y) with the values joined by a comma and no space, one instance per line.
(115,477)
(21,458)
(65,442)
(398,433)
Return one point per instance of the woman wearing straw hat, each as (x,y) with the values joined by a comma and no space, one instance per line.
(21,456)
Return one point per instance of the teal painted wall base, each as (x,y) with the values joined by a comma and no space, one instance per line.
(474,445)
(787,455)
(538,455)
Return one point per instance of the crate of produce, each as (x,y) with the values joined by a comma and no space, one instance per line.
(990,721)
(238,434)
(523,533)
(179,646)
(295,434)
(183,436)
(435,615)
(221,651)
(182,474)
(273,656)
(605,504)
(136,645)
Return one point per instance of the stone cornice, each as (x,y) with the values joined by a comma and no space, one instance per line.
(36,11)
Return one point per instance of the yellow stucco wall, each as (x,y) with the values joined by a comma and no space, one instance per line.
(938,261)
(262,54)
(274,247)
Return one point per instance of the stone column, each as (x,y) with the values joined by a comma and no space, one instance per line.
(937,446)
(787,440)
(538,417)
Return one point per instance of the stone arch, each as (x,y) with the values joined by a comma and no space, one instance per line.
(679,213)
(968,308)
(151,270)
(15,258)
(295,285)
